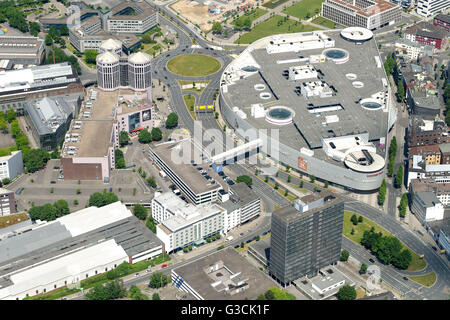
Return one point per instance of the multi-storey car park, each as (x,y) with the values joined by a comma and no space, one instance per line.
(332,123)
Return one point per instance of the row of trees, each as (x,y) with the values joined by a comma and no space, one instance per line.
(392,153)
(403,205)
(14,15)
(48,211)
(387,248)
(112,290)
(246,179)
(382,193)
(145,136)
(99,199)
(120,159)
(446,95)
(54,36)
(58,55)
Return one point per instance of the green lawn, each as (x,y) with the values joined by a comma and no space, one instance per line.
(416,264)
(281,191)
(55,294)
(303,8)
(189,100)
(194,65)
(426,280)
(197,88)
(324,22)
(255,14)
(274,3)
(271,27)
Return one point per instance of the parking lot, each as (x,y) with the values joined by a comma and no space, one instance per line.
(44,187)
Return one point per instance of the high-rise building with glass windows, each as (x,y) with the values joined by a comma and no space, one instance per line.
(306,236)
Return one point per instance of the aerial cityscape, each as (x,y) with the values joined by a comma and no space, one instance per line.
(225,150)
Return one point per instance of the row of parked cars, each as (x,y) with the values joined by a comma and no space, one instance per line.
(226,178)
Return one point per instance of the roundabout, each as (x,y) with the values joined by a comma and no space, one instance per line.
(193,65)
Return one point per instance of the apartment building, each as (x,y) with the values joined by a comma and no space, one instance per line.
(427,33)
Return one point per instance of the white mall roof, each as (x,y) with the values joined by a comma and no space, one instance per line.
(91,218)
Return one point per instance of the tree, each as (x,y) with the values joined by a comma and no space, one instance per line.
(4,126)
(144,136)
(313,178)
(360,219)
(151,182)
(91,56)
(34,159)
(120,160)
(217,28)
(62,208)
(269,295)
(363,269)
(172,120)
(151,223)
(346,293)
(400,92)
(326,184)
(47,212)
(246,179)
(124,138)
(354,219)
(158,280)
(10,115)
(301,184)
(155,296)
(382,193)
(156,134)
(289,178)
(6,181)
(98,199)
(242,244)
(344,255)
(48,40)
(403,205)
(140,211)
(399,177)
(112,290)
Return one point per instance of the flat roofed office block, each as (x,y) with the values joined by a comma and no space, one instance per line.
(22,50)
(49,119)
(18,86)
(306,236)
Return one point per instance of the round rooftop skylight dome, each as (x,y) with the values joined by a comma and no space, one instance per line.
(259,87)
(370,104)
(351,76)
(337,55)
(265,95)
(358,84)
(279,115)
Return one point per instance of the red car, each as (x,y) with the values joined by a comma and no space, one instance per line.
(215,53)
(164,265)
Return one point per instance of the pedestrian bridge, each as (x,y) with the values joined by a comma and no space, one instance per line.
(235,152)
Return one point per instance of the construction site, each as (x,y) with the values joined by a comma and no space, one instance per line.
(203,13)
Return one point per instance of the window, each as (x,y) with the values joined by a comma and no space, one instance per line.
(54,286)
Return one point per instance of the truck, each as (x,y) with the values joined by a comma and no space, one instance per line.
(230,238)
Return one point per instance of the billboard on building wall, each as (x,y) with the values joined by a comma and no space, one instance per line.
(302,164)
(146,115)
